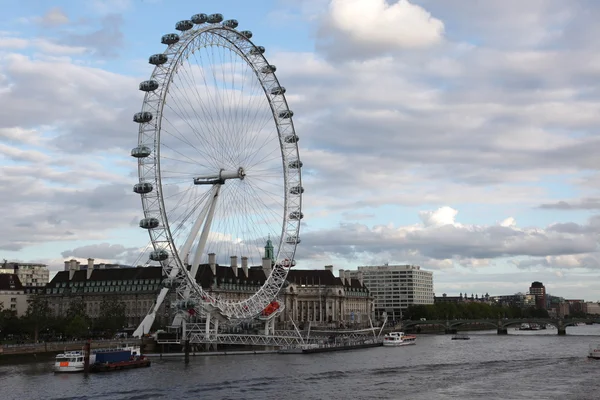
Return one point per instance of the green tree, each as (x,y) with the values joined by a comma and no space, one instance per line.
(76,308)
(78,326)
(112,315)
(38,315)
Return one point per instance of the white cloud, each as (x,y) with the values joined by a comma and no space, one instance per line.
(392,26)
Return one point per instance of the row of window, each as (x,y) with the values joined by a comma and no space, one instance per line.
(118,282)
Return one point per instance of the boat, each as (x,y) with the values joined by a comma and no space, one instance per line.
(117,360)
(71,361)
(398,339)
(461,336)
(74,361)
(529,327)
(594,353)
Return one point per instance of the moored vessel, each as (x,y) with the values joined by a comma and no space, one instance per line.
(398,339)
(71,361)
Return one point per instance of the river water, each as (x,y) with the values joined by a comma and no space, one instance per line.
(522,365)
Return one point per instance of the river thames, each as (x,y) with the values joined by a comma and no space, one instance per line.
(522,365)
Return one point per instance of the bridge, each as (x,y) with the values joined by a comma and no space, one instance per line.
(502,325)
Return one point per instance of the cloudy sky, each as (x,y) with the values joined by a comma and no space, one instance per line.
(456,135)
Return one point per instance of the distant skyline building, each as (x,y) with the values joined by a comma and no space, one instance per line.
(31,275)
(395,287)
(539,291)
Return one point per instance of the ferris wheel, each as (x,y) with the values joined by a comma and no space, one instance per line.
(218,164)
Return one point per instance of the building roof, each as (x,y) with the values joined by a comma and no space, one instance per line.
(320,277)
(10,282)
(205,277)
(108,274)
(224,274)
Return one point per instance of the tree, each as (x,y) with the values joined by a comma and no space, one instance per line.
(76,308)
(112,315)
(38,315)
(78,326)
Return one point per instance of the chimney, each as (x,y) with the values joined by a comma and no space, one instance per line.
(72,269)
(343,276)
(329,268)
(90,268)
(245,266)
(266,266)
(360,277)
(213,263)
(234,266)
(67,265)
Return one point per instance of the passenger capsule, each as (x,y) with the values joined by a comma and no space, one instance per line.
(171,283)
(291,139)
(268,69)
(278,91)
(159,255)
(285,114)
(215,18)
(230,23)
(296,215)
(287,263)
(295,164)
(186,304)
(158,59)
(141,151)
(296,190)
(142,117)
(169,38)
(184,25)
(149,223)
(148,86)
(292,239)
(257,50)
(199,18)
(246,34)
(142,187)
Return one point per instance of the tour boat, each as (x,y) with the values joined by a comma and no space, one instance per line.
(398,339)
(594,351)
(71,361)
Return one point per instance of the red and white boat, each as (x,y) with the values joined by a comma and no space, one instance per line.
(394,339)
(594,352)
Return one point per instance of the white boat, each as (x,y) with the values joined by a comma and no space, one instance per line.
(594,351)
(71,361)
(398,339)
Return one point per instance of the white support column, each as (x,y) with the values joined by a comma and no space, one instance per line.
(207,328)
(204,235)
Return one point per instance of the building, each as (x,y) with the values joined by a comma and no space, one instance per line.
(32,276)
(591,308)
(314,296)
(395,287)
(321,298)
(539,291)
(92,283)
(518,300)
(12,294)
(462,299)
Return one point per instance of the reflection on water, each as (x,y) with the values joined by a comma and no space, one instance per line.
(520,365)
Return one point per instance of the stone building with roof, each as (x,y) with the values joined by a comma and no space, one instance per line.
(315,296)
(12,294)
